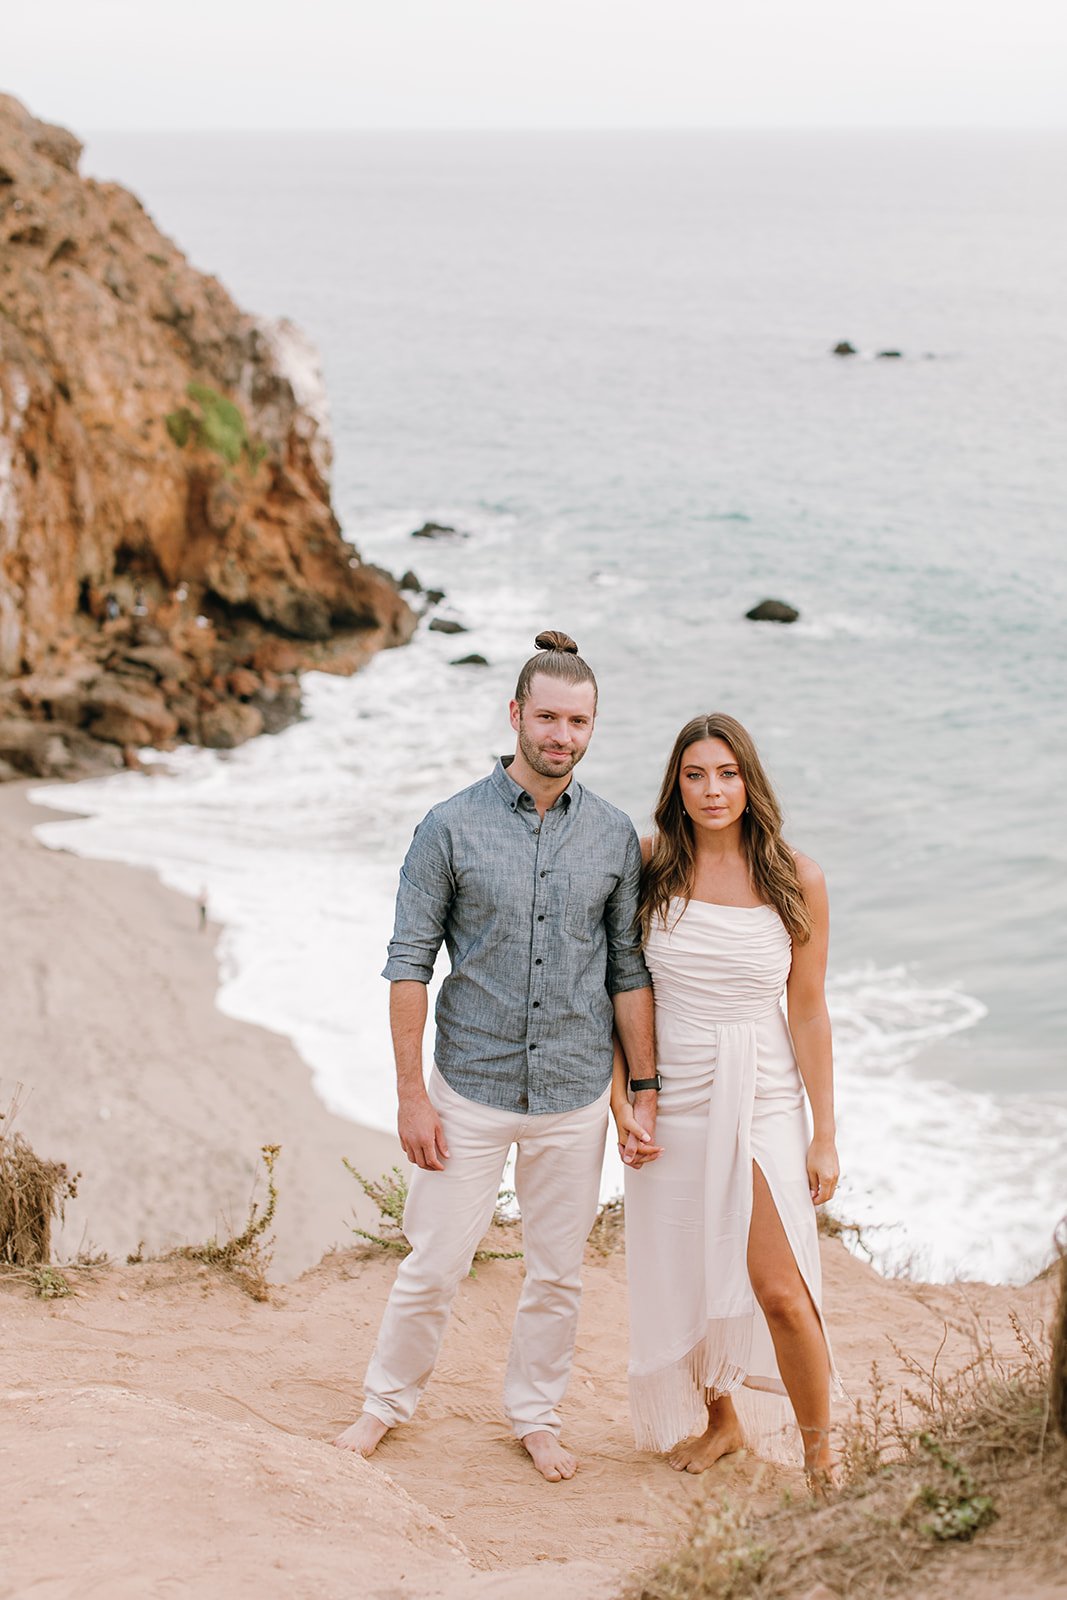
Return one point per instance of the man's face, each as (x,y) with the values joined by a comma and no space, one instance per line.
(555,725)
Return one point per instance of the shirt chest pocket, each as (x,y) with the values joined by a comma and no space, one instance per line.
(587,894)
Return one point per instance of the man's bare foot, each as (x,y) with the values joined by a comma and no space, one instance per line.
(549,1456)
(364,1436)
(697,1455)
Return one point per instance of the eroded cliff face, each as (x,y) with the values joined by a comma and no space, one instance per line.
(169,556)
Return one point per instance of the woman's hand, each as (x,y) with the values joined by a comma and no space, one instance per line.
(823,1169)
(635,1125)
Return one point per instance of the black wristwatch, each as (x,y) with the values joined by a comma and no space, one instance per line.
(647,1083)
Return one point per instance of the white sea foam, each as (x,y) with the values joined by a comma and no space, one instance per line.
(948,1183)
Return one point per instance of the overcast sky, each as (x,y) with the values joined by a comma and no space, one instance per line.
(101,64)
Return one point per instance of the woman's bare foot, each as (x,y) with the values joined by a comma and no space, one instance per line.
(364,1436)
(721,1437)
(819,1474)
(549,1456)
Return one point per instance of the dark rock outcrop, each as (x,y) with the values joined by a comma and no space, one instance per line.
(772,611)
(165,515)
(844,349)
(437,530)
(446,625)
(475,659)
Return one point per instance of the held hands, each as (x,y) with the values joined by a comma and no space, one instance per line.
(823,1169)
(421,1134)
(636,1127)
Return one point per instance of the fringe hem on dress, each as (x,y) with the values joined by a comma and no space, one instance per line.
(670,1404)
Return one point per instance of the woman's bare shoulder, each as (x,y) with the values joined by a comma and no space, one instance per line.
(808,871)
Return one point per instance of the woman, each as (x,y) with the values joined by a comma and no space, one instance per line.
(721,1239)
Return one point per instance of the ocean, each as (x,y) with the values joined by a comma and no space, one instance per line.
(605,359)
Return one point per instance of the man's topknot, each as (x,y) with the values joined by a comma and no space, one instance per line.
(557,656)
(551,639)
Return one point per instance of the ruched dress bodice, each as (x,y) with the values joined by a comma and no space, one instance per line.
(719,974)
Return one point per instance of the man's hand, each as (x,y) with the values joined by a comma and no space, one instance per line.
(421,1134)
(638,1124)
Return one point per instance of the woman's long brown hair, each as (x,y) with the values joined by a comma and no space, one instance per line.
(770,861)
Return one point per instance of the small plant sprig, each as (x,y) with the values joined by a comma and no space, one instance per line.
(958,1511)
(388,1194)
(49,1283)
(246,1254)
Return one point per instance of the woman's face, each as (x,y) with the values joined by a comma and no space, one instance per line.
(710,783)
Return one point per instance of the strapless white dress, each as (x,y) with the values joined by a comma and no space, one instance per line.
(731,1096)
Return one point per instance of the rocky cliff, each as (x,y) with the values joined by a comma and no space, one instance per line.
(169,557)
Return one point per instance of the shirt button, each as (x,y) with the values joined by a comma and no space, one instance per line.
(533,1046)
(537,963)
(544,874)
(537,1003)
(541,917)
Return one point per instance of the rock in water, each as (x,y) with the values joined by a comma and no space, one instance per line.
(475,659)
(164,462)
(437,530)
(844,349)
(890,355)
(446,625)
(772,611)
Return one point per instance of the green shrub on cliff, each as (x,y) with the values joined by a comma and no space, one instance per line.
(220,426)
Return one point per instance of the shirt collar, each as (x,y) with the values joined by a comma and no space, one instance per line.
(515,796)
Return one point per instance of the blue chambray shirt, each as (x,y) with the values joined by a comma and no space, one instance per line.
(538,919)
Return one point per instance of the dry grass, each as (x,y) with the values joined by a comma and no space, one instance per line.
(1058,1374)
(830,1226)
(961,1474)
(608,1232)
(33,1193)
(246,1255)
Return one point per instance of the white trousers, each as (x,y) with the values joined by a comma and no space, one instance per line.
(557,1184)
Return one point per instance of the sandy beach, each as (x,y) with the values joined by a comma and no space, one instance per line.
(161,1388)
(133,1077)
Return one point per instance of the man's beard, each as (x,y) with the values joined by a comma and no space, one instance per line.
(534,758)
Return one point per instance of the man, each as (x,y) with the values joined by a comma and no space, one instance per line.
(531,881)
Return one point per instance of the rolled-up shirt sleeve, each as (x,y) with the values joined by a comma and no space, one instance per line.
(423,901)
(626,965)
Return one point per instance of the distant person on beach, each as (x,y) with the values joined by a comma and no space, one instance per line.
(726,1330)
(201,909)
(531,881)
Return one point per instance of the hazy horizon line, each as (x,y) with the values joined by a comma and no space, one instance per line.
(852,128)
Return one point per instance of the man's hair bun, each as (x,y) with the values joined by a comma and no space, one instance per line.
(550,639)
(557,657)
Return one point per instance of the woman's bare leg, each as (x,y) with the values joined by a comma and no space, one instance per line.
(720,1438)
(799,1342)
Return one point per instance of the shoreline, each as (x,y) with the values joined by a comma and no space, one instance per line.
(134,1078)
